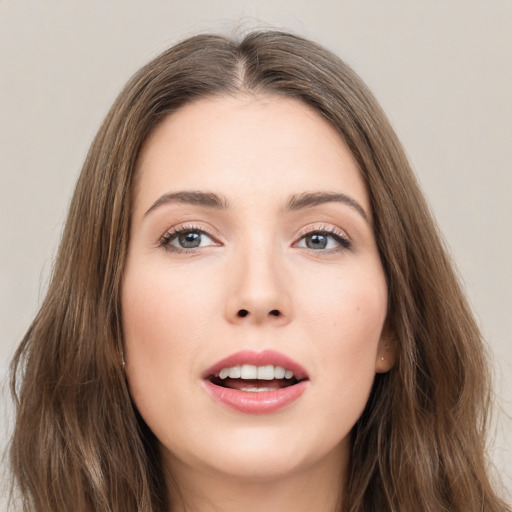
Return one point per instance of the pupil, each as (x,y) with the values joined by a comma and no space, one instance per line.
(316,241)
(189,240)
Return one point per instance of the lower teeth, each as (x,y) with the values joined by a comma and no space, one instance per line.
(254,386)
(253,390)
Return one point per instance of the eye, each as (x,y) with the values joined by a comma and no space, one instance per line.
(186,238)
(330,240)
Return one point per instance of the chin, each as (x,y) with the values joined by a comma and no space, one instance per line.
(261,454)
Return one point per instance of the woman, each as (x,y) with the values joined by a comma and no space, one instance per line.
(251,308)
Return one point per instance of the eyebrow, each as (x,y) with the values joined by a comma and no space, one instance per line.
(295,203)
(310,199)
(206,199)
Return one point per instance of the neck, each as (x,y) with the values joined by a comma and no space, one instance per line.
(318,487)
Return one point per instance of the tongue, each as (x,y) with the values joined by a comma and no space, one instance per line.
(256,383)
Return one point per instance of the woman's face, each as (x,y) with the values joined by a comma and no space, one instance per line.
(251,251)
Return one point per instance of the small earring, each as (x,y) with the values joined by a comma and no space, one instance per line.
(382,358)
(123,364)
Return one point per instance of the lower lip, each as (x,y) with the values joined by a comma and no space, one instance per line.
(257,402)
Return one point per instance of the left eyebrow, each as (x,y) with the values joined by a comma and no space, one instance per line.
(310,199)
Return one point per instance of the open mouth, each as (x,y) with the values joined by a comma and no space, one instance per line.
(252,378)
(252,382)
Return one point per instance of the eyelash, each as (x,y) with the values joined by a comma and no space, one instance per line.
(170,235)
(338,236)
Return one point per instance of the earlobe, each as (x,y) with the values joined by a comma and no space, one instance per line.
(386,355)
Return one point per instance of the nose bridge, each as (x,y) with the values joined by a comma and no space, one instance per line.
(259,289)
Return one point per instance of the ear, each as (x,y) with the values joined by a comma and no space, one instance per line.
(386,351)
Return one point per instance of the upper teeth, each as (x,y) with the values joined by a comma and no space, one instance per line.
(249,371)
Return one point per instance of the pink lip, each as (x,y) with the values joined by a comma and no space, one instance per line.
(259,402)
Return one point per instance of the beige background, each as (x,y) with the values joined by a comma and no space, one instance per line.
(441,69)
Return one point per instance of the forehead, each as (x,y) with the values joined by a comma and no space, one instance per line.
(251,147)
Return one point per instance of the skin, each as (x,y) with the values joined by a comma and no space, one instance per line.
(181,308)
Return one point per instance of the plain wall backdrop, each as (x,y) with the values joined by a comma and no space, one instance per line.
(442,70)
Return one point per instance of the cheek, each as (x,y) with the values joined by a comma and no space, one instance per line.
(349,307)
(164,310)
(163,319)
(344,320)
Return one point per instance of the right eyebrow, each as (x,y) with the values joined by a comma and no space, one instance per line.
(206,199)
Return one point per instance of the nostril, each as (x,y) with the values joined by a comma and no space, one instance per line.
(243,313)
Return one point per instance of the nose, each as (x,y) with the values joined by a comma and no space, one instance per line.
(259,290)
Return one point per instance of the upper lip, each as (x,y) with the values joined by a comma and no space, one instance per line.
(266,357)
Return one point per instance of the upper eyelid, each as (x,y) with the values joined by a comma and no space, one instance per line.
(323,229)
(302,232)
(180,228)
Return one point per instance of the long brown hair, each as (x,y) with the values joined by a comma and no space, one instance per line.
(79,444)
